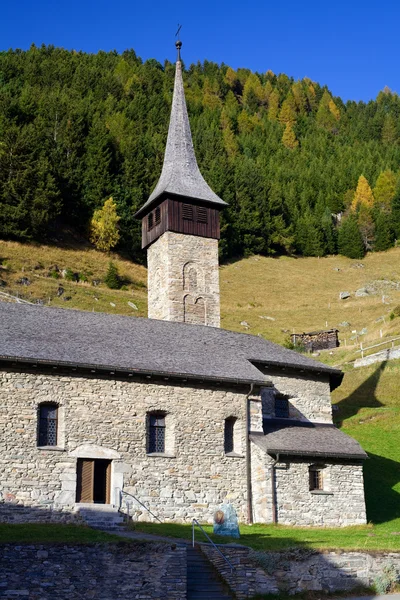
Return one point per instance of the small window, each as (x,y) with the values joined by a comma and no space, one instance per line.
(187,212)
(157,216)
(316,476)
(48,420)
(156,433)
(229,439)
(281,407)
(201,214)
(150,221)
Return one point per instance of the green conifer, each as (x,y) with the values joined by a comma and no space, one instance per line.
(350,242)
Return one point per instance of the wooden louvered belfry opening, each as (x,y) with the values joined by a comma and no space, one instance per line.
(93,481)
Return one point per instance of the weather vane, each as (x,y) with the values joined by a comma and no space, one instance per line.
(178,43)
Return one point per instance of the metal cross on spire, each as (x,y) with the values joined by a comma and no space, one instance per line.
(178,43)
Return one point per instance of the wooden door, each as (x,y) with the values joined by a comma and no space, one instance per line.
(108,483)
(85,480)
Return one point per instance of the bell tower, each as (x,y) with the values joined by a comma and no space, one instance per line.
(180,229)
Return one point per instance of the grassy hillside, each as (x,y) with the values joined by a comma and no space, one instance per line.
(39,265)
(295,294)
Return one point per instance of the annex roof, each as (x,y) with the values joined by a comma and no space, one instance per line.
(180,174)
(139,345)
(298,438)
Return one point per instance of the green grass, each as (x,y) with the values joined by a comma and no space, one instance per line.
(279,537)
(51,533)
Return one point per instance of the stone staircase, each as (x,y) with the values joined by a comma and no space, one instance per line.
(101,516)
(203,582)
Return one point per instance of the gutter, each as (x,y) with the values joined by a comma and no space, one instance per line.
(248,459)
(273,490)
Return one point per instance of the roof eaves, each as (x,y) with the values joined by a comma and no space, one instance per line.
(134,371)
(361,456)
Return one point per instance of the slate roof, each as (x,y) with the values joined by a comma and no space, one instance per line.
(296,438)
(180,174)
(99,340)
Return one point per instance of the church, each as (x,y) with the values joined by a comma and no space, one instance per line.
(171,412)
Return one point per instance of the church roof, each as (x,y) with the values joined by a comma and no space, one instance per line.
(298,438)
(148,346)
(180,174)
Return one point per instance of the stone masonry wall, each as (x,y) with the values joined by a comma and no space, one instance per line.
(341,503)
(309,396)
(106,418)
(100,571)
(299,570)
(183,279)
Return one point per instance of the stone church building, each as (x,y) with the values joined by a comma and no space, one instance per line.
(172,410)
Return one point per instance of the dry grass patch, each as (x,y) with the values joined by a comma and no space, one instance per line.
(36,262)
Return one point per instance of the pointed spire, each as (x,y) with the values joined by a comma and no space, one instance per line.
(180,173)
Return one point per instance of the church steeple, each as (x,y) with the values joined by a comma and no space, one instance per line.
(180,174)
(180,229)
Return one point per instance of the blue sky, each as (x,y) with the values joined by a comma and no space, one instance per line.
(351,46)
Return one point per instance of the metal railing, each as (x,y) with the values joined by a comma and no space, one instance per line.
(122,493)
(362,349)
(228,562)
(12,298)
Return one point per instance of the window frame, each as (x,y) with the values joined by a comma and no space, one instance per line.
(316,479)
(43,434)
(283,411)
(150,221)
(155,432)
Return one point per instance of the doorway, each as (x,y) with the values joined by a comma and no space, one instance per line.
(93,480)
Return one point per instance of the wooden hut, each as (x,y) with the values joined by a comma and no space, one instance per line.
(317,340)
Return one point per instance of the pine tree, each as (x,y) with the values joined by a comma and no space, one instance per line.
(363,195)
(104,227)
(350,242)
(112,279)
(389,130)
(383,232)
(273,105)
(329,232)
(328,114)
(287,114)
(289,138)
(385,190)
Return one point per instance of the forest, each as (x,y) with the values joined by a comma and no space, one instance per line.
(303,172)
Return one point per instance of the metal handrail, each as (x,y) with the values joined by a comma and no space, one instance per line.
(121,492)
(195,522)
(362,350)
(14,298)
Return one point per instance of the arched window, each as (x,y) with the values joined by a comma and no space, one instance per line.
(229,435)
(156,439)
(48,424)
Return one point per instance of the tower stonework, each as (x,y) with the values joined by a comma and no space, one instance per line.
(183,279)
(180,229)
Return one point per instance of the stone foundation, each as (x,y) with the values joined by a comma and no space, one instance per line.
(99,571)
(299,570)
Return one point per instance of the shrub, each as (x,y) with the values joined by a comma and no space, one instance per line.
(395,313)
(386,581)
(112,279)
(69,275)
